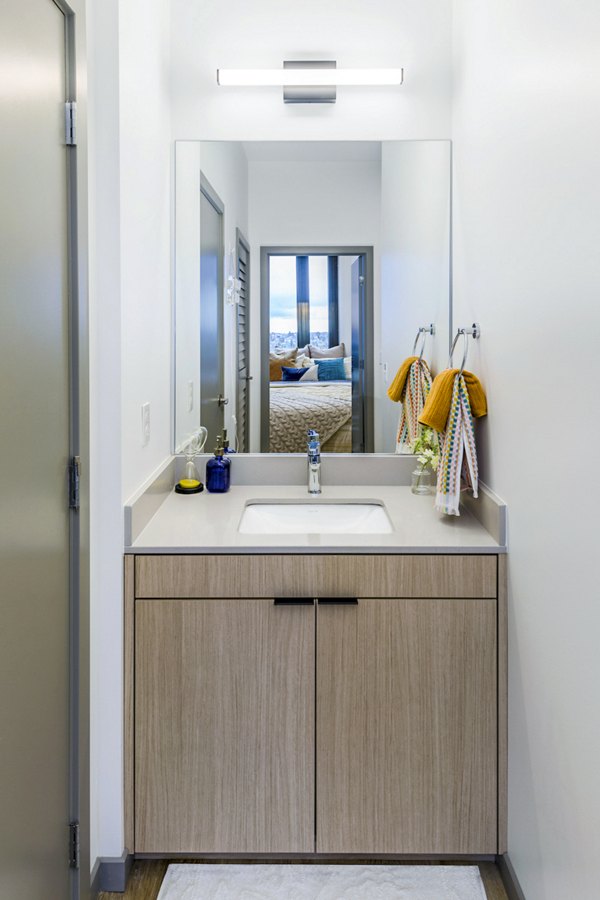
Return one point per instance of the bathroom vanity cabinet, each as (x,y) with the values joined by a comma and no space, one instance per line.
(300,704)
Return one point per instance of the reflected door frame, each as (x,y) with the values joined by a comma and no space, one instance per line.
(362,346)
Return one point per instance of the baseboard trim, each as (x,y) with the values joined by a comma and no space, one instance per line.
(94,880)
(509,878)
(110,873)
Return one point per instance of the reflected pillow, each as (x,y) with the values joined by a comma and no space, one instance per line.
(289,374)
(328,353)
(331,369)
(302,361)
(347,365)
(311,374)
(276,363)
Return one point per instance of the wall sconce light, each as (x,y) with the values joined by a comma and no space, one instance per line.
(308,81)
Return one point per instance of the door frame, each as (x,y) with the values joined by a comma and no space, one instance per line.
(79,593)
(365,340)
(79,446)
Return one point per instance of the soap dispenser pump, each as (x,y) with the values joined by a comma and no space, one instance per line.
(218,471)
(226,447)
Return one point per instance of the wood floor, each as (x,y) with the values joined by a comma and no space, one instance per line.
(147,875)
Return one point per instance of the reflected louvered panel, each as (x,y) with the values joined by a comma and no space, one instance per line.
(242,401)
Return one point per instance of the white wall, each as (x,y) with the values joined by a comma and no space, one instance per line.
(213,34)
(302,204)
(527,267)
(415,266)
(146,153)
(130,314)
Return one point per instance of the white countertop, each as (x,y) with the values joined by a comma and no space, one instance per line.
(208,523)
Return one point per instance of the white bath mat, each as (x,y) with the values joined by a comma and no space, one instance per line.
(316,882)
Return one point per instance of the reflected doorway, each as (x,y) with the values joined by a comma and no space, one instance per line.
(316,348)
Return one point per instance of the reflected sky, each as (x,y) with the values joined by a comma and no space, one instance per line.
(283,294)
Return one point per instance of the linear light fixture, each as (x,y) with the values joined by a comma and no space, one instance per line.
(307,77)
(308,81)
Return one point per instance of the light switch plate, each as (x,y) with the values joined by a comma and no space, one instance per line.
(190,396)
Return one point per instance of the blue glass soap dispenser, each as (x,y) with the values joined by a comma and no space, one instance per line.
(218,472)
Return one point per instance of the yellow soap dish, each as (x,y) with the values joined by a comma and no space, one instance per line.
(189,486)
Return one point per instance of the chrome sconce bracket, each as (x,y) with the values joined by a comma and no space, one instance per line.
(306,93)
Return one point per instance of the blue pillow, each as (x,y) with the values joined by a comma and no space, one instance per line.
(331,369)
(288,374)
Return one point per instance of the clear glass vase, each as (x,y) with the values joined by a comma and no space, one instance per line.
(423,481)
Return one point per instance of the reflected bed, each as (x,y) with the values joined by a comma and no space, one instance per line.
(296,406)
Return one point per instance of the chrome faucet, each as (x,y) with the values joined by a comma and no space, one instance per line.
(314,462)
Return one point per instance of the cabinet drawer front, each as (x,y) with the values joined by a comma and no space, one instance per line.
(318,576)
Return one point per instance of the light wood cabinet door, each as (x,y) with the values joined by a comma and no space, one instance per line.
(407,727)
(224,727)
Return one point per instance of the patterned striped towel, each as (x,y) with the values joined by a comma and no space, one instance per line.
(416,390)
(458,455)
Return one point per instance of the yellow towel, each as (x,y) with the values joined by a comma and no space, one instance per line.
(396,388)
(437,407)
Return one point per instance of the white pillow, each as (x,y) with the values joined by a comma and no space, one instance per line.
(348,367)
(328,352)
(302,361)
(311,374)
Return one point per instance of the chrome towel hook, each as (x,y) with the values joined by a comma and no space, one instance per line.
(475,332)
(423,331)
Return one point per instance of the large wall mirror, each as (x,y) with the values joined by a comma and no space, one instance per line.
(303,271)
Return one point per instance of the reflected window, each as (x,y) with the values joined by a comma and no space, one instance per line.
(283,324)
(319,301)
(303,302)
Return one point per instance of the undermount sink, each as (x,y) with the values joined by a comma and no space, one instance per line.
(315,517)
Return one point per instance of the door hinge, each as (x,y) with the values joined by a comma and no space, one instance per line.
(74,476)
(70,123)
(74,852)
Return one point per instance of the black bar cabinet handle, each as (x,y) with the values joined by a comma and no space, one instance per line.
(338,601)
(294,601)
